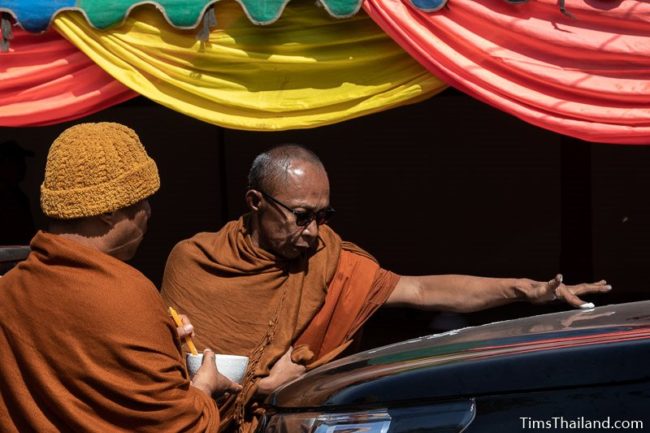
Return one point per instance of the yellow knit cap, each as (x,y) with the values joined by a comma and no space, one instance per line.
(94,168)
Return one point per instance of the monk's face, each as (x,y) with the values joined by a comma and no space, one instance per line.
(130,225)
(306,188)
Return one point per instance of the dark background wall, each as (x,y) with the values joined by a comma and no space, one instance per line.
(448,185)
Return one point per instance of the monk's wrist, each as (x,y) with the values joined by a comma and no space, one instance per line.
(203,387)
(522,289)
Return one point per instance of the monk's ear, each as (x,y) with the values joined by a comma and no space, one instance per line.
(253,200)
(107,218)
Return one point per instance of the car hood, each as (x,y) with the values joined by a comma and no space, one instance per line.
(605,345)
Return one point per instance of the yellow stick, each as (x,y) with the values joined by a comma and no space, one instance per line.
(179,322)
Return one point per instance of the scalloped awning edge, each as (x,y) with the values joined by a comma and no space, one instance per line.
(36,16)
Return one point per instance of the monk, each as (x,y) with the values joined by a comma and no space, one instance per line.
(86,344)
(280,286)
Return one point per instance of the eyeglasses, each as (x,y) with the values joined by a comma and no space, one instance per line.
(305,217)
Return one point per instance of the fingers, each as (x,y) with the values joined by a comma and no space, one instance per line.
(553,285)
(234,387)
(224,385)
(208,356)
(185,320)
(208,364)
(563,292)
(598,287)
(187,330)
(571,294)
(207,378)
(555,282)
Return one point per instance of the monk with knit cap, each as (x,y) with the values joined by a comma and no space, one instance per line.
(86,344)
(280,286)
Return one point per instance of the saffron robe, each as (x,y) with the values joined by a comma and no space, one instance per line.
(86,345)
(244,300)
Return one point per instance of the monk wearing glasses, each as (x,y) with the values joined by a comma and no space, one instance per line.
(280,286)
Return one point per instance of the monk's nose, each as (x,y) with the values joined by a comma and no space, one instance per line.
(311,229)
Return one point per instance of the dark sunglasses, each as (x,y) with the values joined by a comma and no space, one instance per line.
(305,217)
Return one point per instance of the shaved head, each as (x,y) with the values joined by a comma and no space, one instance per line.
(284,183)
(270,169)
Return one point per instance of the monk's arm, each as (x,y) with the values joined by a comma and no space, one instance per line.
(465,293)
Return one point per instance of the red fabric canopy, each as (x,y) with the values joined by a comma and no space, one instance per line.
(586,76)
(46,80)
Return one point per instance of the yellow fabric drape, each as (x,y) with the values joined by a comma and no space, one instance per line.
(306,70)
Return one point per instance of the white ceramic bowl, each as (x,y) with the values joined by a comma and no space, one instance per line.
(231,366)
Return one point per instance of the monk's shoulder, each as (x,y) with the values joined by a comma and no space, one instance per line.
(205,243)
(189,247)
(356,257)
(330,236)
(117,299)
(124,279)
(356,251)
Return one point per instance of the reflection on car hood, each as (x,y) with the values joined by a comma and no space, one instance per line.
(608,344)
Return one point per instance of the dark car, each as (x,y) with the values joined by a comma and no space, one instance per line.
(570,371)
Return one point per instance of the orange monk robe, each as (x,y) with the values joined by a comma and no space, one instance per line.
(357,289)
(245,300)
(86,345)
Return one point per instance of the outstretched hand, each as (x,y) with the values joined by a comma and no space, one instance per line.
(555,289)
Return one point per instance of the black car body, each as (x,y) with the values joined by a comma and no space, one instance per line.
(570,371)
